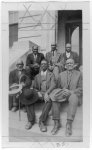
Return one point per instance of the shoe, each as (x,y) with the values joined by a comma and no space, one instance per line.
(28,126)
(56,127)
(14,109)
(68,129)
(43,128)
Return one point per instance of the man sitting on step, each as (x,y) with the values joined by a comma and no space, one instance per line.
(14,78)
(44,83)
(69,89)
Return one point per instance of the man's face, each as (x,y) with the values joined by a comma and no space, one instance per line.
(70,64)
(44,65)
(68,49)
(19,67)
(35,51)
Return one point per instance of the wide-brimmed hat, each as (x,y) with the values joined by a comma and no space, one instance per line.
(28,96)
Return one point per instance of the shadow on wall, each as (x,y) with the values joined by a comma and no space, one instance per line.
(22,46)
(13,66)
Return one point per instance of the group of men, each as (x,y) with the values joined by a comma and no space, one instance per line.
(56,78)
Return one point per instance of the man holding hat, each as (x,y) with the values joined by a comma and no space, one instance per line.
(54,58)
(14,78)
(33,61)
(69,88)
(70,54)
(44,83)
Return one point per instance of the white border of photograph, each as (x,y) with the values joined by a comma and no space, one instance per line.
(85,7)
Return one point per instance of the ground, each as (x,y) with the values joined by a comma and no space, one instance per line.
(18,133)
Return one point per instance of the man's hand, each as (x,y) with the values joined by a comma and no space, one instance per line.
(17,96)
(46,97)
(23,84)
(66,92)
(39,94)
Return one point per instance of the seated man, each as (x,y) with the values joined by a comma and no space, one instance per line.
(70,83)
(14,77)
(33,62)
(54,58)
(44,83)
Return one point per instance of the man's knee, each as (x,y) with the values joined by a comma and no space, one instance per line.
(55,105)
(73,99)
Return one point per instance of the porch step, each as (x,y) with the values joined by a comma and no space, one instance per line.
(38,111)
(18,131)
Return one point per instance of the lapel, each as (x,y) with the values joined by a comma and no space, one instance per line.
(65,79)
(39,80)
(38,57)
(71,54)
(48,76)
(49,55)
(72,79)
(16,73)
(32,57)
(16,76)
(64,55)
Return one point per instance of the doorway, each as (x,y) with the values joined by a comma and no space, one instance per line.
(74,36)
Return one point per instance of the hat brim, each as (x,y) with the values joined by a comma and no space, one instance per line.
(30,100)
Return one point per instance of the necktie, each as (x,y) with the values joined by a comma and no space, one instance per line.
(35,57)
(69,76)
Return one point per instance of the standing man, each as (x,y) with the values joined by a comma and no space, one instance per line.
(14,77)
(70,83)
(55,60)
(33,61)
(70,54)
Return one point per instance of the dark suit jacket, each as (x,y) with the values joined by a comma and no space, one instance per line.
(73,55)
(14,78)
(50,82)
(75,84)
(50,54)
(30,59)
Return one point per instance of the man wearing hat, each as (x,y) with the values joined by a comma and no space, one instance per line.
(70,54)
(28,98)
(33,61)
(54,58)
(43,85)
(14,78)
(69,88)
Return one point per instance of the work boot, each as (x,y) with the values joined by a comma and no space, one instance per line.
(56,127)
(68,128)
(14,109)
(28,125)
(42,126)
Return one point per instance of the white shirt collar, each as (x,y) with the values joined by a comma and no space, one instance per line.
(43,72)
(68,54)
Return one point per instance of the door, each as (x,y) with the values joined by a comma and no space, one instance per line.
(74,36)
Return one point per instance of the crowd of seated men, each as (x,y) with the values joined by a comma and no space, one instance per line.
(53,79)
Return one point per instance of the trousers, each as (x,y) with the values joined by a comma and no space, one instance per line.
(72,107)
(13,102)
(45,112)
(44,115)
